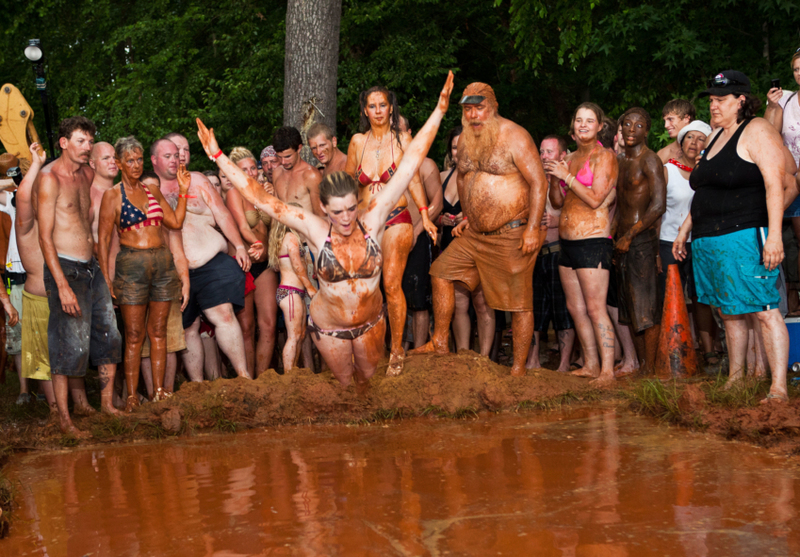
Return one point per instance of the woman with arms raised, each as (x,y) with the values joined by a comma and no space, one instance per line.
(347,312)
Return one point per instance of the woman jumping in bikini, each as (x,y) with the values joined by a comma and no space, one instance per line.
(346,315)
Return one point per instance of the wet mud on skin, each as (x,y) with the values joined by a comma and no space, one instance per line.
(587,482)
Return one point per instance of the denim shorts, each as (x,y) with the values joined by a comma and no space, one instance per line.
(73,340)
(729,273)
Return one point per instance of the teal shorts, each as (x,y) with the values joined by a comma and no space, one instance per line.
(729,274)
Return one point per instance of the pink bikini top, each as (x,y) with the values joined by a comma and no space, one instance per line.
(585,175)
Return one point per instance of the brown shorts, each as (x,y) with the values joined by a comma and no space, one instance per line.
(144,275)
(176,340)
(495,262)
(637,283)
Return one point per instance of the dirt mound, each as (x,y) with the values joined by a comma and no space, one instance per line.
(772,425)
(449,385)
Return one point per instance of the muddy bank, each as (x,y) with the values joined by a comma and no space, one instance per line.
(704,405)
(454,385)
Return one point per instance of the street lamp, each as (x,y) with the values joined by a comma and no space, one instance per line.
(33,52)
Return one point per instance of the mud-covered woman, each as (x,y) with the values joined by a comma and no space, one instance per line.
(582,186)
(347,314)
(146,280)
(373,157)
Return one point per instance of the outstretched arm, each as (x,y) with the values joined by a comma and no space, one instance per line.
(25,214)
(387,198)
(305,223)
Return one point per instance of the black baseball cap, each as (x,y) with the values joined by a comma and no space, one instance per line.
(729,82)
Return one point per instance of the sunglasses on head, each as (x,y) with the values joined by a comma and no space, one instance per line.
(723,81)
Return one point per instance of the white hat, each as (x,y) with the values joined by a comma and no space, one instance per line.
(696,126)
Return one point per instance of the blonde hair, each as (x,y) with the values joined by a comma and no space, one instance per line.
(239,154)
(277,232)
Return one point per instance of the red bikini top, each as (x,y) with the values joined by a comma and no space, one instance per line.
(384,178)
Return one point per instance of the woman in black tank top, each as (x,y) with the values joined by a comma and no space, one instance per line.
(735,221)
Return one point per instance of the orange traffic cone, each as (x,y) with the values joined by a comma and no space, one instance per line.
(676,356)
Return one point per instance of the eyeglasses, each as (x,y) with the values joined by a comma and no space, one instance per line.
(723,81)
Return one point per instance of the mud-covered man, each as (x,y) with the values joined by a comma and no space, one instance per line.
(641,200)
(323,144)
(82,321)
(502,189)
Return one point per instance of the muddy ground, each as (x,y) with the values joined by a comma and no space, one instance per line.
(455,385)
(451,386)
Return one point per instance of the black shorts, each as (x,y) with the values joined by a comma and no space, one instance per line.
(73,340)
(220,281)
(257,268)
(549,300)
(417,278)
(591,253)
(637,276)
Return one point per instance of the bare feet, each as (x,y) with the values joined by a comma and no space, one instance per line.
(518,371)
(626,369)
(603,379)
(731,383)
(585,372)
(83,410)
(432,345)
(775,398)
(130,405)
(68,428)
(395,364)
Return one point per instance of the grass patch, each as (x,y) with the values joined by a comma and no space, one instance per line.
(113,427)
(744,393)
(656,398)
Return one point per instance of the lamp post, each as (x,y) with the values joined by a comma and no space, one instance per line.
(33,52)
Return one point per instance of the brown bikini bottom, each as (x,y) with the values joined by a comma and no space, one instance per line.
(346,334)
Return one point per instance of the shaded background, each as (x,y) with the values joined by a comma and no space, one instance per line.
(148,68)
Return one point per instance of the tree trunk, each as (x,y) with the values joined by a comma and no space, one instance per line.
(311,64)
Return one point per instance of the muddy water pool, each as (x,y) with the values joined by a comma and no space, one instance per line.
(580,482)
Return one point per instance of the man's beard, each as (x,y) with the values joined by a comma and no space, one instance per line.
(479,147)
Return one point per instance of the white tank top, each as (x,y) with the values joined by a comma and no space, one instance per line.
(679,202)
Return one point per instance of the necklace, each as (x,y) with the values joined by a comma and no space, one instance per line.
(681,166)
(378,150)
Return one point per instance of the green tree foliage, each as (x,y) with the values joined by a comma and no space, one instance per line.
(147,68)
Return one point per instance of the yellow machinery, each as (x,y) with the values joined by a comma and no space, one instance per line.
(16,125)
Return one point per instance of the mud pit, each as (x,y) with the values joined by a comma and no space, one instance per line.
(446,385)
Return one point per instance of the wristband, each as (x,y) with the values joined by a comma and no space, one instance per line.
(571,180)
(423,209)
(215,157)
(187,196)
(257,243)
